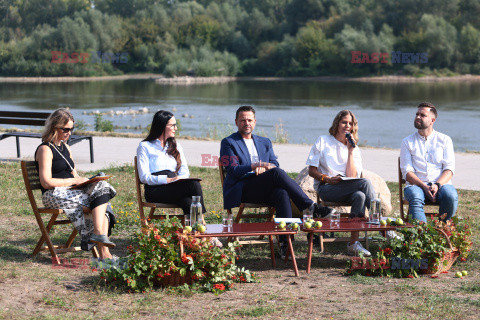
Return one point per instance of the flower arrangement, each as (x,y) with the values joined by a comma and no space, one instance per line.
(430,247)
(165,255)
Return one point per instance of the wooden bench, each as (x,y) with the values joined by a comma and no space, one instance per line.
(34,119)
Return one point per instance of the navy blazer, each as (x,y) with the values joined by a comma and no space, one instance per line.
(237,163)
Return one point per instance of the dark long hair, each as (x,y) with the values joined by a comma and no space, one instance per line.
(159,122)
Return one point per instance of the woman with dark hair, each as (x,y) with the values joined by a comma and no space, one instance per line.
(161,161)
(85,207)
(335,156)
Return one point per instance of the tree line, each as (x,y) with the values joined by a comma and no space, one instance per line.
(239,37)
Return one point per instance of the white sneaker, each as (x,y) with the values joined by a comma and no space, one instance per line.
(393,235)
(215,242)
(357,249)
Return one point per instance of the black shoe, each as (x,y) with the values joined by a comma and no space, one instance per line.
(320,211)
(284,250)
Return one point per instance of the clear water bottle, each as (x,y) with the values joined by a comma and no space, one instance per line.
(196,211)
(375,210)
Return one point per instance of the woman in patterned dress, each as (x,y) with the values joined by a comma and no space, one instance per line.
(85,207)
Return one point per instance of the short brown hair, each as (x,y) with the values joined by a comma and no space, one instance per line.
(429,105)
(244,109)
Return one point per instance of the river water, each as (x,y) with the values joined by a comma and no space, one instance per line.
(385,111)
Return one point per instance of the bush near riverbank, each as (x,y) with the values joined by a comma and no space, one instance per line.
(32,289)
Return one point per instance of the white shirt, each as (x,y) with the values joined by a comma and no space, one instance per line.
(151,157)
(427,157)
(330,157)
(252,150)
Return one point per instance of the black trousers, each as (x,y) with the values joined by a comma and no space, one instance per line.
(179,193)
(275,188)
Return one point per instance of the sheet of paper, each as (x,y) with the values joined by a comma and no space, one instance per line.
(288,220)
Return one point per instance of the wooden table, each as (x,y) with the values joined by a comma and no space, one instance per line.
(345,225)
(251,230)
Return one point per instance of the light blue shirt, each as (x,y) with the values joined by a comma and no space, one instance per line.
(152,157)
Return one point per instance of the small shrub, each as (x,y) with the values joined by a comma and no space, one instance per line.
(102,125)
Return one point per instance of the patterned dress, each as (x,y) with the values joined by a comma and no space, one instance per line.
(72,201)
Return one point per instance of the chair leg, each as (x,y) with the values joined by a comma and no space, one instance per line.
(45,236)
(71,238)
(240,213)
(142,215)
(150,215)
(95,252)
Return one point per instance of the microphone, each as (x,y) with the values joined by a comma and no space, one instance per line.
(349,138)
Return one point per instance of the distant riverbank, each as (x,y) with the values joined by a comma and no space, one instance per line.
(160,79)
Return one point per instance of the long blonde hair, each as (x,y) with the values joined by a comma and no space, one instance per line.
(334,128)
(57,119)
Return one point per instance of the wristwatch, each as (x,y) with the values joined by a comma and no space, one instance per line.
(438,185)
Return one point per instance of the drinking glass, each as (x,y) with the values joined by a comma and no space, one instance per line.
(188,222)
(307,216)
(335,219)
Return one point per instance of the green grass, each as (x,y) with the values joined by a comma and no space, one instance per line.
(470,287)
(75,293)
(255,311)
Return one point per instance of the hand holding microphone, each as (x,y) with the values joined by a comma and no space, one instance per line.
(350,139)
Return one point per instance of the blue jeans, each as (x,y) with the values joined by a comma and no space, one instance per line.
(447,198)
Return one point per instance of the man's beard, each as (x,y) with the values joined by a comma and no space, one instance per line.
(420,125)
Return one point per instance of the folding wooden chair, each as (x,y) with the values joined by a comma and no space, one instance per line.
(240,215)
(403,201)
(32,182)
(241,208)
(151,205)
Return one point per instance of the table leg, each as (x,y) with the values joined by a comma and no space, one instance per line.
(310,249)
(272,251)
(321,242)
(290,247)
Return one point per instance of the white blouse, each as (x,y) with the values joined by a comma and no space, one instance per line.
(151,157)
(330,157)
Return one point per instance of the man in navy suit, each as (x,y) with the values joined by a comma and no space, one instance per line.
(254,176)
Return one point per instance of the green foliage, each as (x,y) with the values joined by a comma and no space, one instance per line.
(201,62)
(423,241)
(156,256)
(80,125)
(102,125)
(255,38)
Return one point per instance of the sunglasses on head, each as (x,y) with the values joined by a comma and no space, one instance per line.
(66,130)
